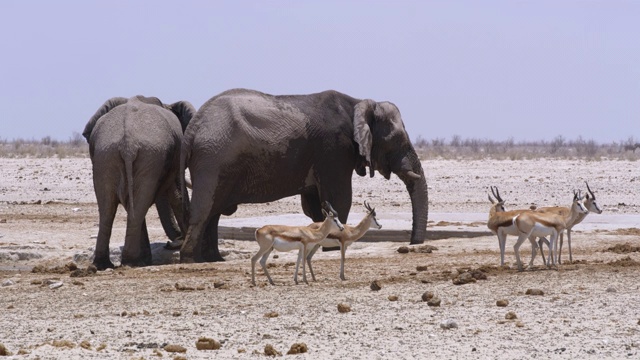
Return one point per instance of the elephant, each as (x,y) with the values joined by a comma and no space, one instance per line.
(244,146)
(134,145)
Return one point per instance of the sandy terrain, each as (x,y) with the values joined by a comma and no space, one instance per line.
(589,309)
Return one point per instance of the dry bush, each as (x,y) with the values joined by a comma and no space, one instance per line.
(47,147)
(558,148)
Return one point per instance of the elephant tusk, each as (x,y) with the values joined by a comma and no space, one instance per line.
(188,183)
(413,175)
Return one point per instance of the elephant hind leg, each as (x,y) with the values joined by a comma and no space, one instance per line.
(137,250)
(107,207)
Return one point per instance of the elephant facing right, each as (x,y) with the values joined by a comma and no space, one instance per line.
(134,146)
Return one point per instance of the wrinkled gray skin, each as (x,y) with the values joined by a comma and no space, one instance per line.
(135,151)
(243,146)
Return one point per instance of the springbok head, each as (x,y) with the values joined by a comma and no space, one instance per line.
(578,202)
(498,203)
(372,212)
(590,201)
(330,213)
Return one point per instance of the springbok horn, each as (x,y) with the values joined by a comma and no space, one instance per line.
(496,193)
(366,206)
(593,196)
(413,175)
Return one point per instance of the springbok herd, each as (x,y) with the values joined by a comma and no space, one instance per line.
(532,224)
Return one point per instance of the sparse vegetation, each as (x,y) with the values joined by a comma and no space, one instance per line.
(558,147)
(75,146)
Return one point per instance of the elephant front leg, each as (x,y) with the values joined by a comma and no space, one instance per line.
(210,251)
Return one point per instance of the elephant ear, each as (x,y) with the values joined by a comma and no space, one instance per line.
(362,116)
(105,108)
(184,111)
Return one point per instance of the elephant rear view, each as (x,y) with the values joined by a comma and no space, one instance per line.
(134,146)
(244,146)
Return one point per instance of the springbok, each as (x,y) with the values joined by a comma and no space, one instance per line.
(344,238)
(286,238)
(591,205)
(502,223)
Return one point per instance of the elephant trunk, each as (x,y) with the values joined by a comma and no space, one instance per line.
(416,183)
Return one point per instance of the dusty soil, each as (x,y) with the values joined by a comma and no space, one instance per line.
(589,308)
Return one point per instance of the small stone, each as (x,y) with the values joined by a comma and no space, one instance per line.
(8,282)
(36,282)
(511,316)
(78,283)
(56,285)
(502,303)
(344,308)
(242,351)
(427,295)
(271,314)
(421,268)
(205,343)
(297,348)
(177,313)
(434,301)
(10,307)
(124,313)
(71,266)
(449,324)
(536,292)
(3,221)
(464,278)
(519,324)
(181,287)
(85,345)
(269,350)
(220,285)
(393,298)
(611,289)
(403,250)
(175,349)
(375,285)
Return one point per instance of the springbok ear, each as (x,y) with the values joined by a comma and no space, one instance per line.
(184,111)
(325,213)
(105,108)
(363,111)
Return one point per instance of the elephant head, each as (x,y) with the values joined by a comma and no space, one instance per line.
(384,145)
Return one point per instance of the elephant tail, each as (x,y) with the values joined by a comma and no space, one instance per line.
(128,169)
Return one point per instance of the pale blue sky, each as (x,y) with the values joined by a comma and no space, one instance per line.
(531,70)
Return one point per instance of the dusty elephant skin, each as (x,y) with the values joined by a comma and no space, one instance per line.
(134,146)
(243,146)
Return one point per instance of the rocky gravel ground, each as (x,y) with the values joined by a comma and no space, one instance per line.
(446,299)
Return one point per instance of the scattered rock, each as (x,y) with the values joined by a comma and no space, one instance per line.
(424,249)
(36,282)
(10,307)
(393,298)
(434,301)
(85,345)
(511,315)
(344,308)
(449,324)
(78,283)
(181,287)
(427,295)
(271,314)
(536,292)
(175,348)
(4,351)
(464,278)
(71,266)
(101,347)
(205,343)
(177,313)
(519,324)
(375,285)
(403,249)
(623,248)
(269,350)
(421,268)
(220,285)
(611,289)
(502,303)
(56,285)
(8,282)
(3,221)
(63,343)
(624,262)
(297,348)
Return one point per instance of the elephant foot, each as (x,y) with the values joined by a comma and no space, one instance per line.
(136,262)
(174,245)
(187,259)
(103,264)
(416,242)
(212,258)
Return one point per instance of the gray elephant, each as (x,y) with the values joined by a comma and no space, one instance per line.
(134,146)
(244,146)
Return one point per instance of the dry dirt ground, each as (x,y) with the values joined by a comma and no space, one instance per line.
(589,308)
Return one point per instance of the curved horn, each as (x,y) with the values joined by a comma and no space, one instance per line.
(593,196)
(367,206)
(496,193)
(330,208)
